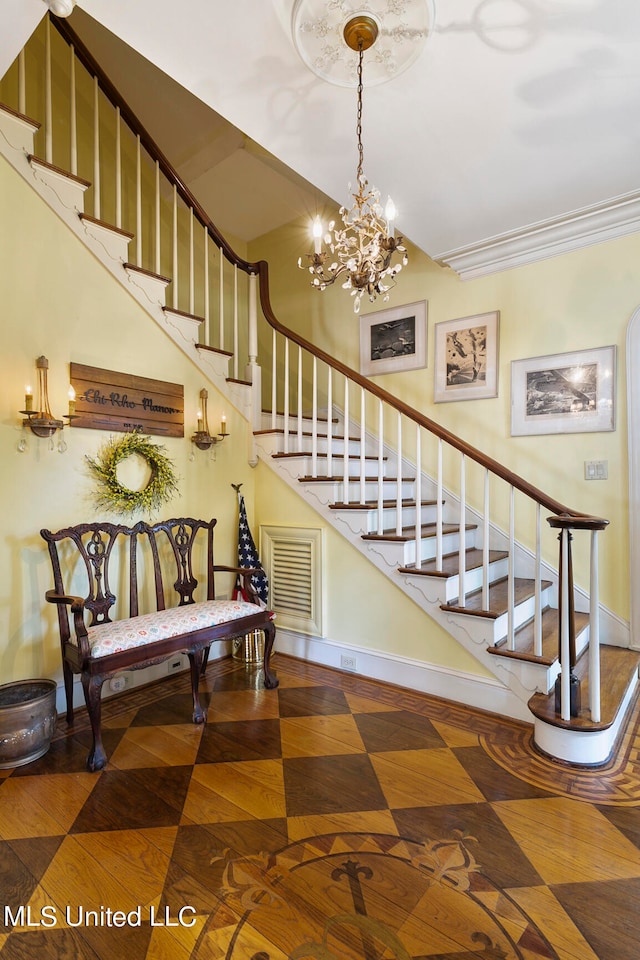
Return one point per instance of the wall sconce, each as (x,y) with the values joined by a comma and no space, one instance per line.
(41,421)
(202,438)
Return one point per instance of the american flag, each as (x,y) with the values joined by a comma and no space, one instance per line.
(248,557)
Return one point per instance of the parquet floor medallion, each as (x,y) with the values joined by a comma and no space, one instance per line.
(352,896)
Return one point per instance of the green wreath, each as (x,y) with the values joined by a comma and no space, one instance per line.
(111,493)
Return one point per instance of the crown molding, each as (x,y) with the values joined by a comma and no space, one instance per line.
(610,220)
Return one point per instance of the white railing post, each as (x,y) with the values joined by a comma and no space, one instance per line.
(174,279)
(96,149)
(286,395)
(274,382)
(254,372)
(299,399)
(235,320)
(207,304)
(221,302)
(439,510)
(346,490)
(380,467)
(511,641)
(399,478)
(485,544)
(48,110)
(537,621)
(22,84)
(329,423)
(138,203)
(73,114)
(118,171)
(418,557)
(314,418)
(462,536)
(192,291)
(363,445)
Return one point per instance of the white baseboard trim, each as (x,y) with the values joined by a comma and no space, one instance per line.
(484,693)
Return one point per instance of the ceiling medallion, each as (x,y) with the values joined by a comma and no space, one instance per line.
(318,33)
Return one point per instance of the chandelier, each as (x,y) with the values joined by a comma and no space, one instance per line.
(360,250)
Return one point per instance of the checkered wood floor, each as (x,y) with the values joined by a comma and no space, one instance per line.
(334,817)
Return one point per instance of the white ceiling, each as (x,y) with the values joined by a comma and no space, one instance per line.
(515,112)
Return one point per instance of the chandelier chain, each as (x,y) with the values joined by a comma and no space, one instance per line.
(359,114)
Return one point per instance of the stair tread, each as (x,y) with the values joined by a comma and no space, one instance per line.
(617,668)
(426,530)
(498,598)
(373,504)
(339,478)
(524,639)
(451,565)
(323,456)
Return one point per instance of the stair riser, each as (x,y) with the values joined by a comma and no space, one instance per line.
(522,613)
(473,579)
(401,553)
(303,445)
(408,514)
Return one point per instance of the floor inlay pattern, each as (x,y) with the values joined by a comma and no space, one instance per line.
(334,818)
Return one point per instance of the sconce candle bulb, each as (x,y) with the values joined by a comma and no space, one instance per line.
(72,402)
(202,438)
(28,399)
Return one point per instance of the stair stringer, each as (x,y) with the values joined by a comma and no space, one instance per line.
(519,679)
(63,193)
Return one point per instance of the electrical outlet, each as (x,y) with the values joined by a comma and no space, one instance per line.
(118,683)
(175,664)
(347,663)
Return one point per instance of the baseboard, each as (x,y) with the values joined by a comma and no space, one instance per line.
(484,693)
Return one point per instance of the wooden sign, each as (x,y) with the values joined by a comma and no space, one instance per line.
(106,400)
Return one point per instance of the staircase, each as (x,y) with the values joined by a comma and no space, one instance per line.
(460,534)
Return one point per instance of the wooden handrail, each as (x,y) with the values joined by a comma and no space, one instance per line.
(261,269)
(147,141)
(465,448)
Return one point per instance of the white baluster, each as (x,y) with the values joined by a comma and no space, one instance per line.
(73,113)
(235,320)
(363,446)
(329,422)
(345,454)
(511,576)
(138,203)
(537,617)
(439,510)
(96,149)
(207,305)
(314,419)
(274,394)
(299,399)
(192,292)
(22,85)
(418,498)
(158,221)
(174,282)
(221,303)
(399,478)
(48,110)
(118,171)
(485,544)
(286,395)
(380,468)
(594,632)
(462,539)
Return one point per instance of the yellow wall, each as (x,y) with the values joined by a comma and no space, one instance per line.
(573,302)
(59,301)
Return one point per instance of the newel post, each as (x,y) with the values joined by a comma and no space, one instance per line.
(568,684)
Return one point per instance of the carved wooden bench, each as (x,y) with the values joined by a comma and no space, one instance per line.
(88,559)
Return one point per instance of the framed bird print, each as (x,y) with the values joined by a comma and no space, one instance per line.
(394,340)
(466,358)
(564,393)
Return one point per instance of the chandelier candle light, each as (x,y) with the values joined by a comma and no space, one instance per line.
(361,250)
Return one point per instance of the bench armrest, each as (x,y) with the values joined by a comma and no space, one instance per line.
(77,609)
(245,574)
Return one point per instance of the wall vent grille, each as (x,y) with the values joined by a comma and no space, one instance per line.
(292,558)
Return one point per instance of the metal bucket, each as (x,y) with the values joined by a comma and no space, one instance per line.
(27,720)
(250,648)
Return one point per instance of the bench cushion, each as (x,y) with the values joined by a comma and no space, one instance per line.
(106,638)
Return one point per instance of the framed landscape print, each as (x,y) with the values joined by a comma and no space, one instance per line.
(394,340)
(466,358)
(564,393)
